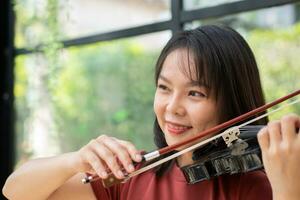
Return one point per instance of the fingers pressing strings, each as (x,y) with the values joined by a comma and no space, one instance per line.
(289,126)
(274,131)
(280,133)
(264,139)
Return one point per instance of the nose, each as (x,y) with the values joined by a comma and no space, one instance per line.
(175,105)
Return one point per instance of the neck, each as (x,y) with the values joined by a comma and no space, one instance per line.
(185,159)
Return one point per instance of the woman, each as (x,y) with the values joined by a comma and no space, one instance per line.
(203,77)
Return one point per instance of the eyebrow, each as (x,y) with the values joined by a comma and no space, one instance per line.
(192,83)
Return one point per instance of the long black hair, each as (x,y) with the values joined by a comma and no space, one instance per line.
(225,63)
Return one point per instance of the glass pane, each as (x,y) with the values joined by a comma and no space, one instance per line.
(275,41)
(40,22)
(196,4)
(104,88)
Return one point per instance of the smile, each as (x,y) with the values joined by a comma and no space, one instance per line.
(176,129)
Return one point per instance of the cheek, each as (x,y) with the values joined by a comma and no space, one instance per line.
(157,105)
(204,115)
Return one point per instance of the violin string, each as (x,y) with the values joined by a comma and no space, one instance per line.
(148,167)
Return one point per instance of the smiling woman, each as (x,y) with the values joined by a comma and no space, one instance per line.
(203,77)
(179,100)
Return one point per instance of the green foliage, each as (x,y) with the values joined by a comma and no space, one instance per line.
(277,52)
(108,88)
(105,89)
(36,23)
(20,90)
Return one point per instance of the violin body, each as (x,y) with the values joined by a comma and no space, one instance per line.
(216,159)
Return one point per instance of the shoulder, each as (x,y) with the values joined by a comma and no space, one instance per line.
(253,178)
(254,185)
(246,186)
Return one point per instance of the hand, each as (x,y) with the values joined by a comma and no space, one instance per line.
(280,145)
(105,154)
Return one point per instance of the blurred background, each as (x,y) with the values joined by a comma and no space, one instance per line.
(76,69)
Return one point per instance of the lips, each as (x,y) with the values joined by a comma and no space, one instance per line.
(176,129)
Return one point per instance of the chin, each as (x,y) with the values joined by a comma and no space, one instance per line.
(171,140)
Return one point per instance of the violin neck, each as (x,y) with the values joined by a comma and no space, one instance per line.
(250,131)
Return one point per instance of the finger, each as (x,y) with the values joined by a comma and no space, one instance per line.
(288,127)
(109,158)
(274,130)
(121,152)
(263,139)
(96,164)
(298,128)
(134,153)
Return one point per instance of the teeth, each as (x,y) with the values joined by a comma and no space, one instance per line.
(178,127)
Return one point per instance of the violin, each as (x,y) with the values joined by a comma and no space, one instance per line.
(231,149)
(216,159)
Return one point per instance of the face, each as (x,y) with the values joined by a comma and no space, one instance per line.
(182,106)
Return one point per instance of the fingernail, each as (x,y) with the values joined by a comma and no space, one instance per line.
(103,174)
(130,167)
(120,174)
(138,157)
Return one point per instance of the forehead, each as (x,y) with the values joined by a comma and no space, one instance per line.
(180,60)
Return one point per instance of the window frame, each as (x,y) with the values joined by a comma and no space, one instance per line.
(179,17)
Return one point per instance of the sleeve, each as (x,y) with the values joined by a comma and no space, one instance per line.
(255,185)
(111,193)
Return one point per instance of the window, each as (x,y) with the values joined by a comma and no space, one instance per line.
(94,75)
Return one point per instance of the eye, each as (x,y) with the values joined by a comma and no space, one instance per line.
(196,94)
(162,87)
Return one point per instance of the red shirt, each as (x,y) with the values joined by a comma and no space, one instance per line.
(172,185)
